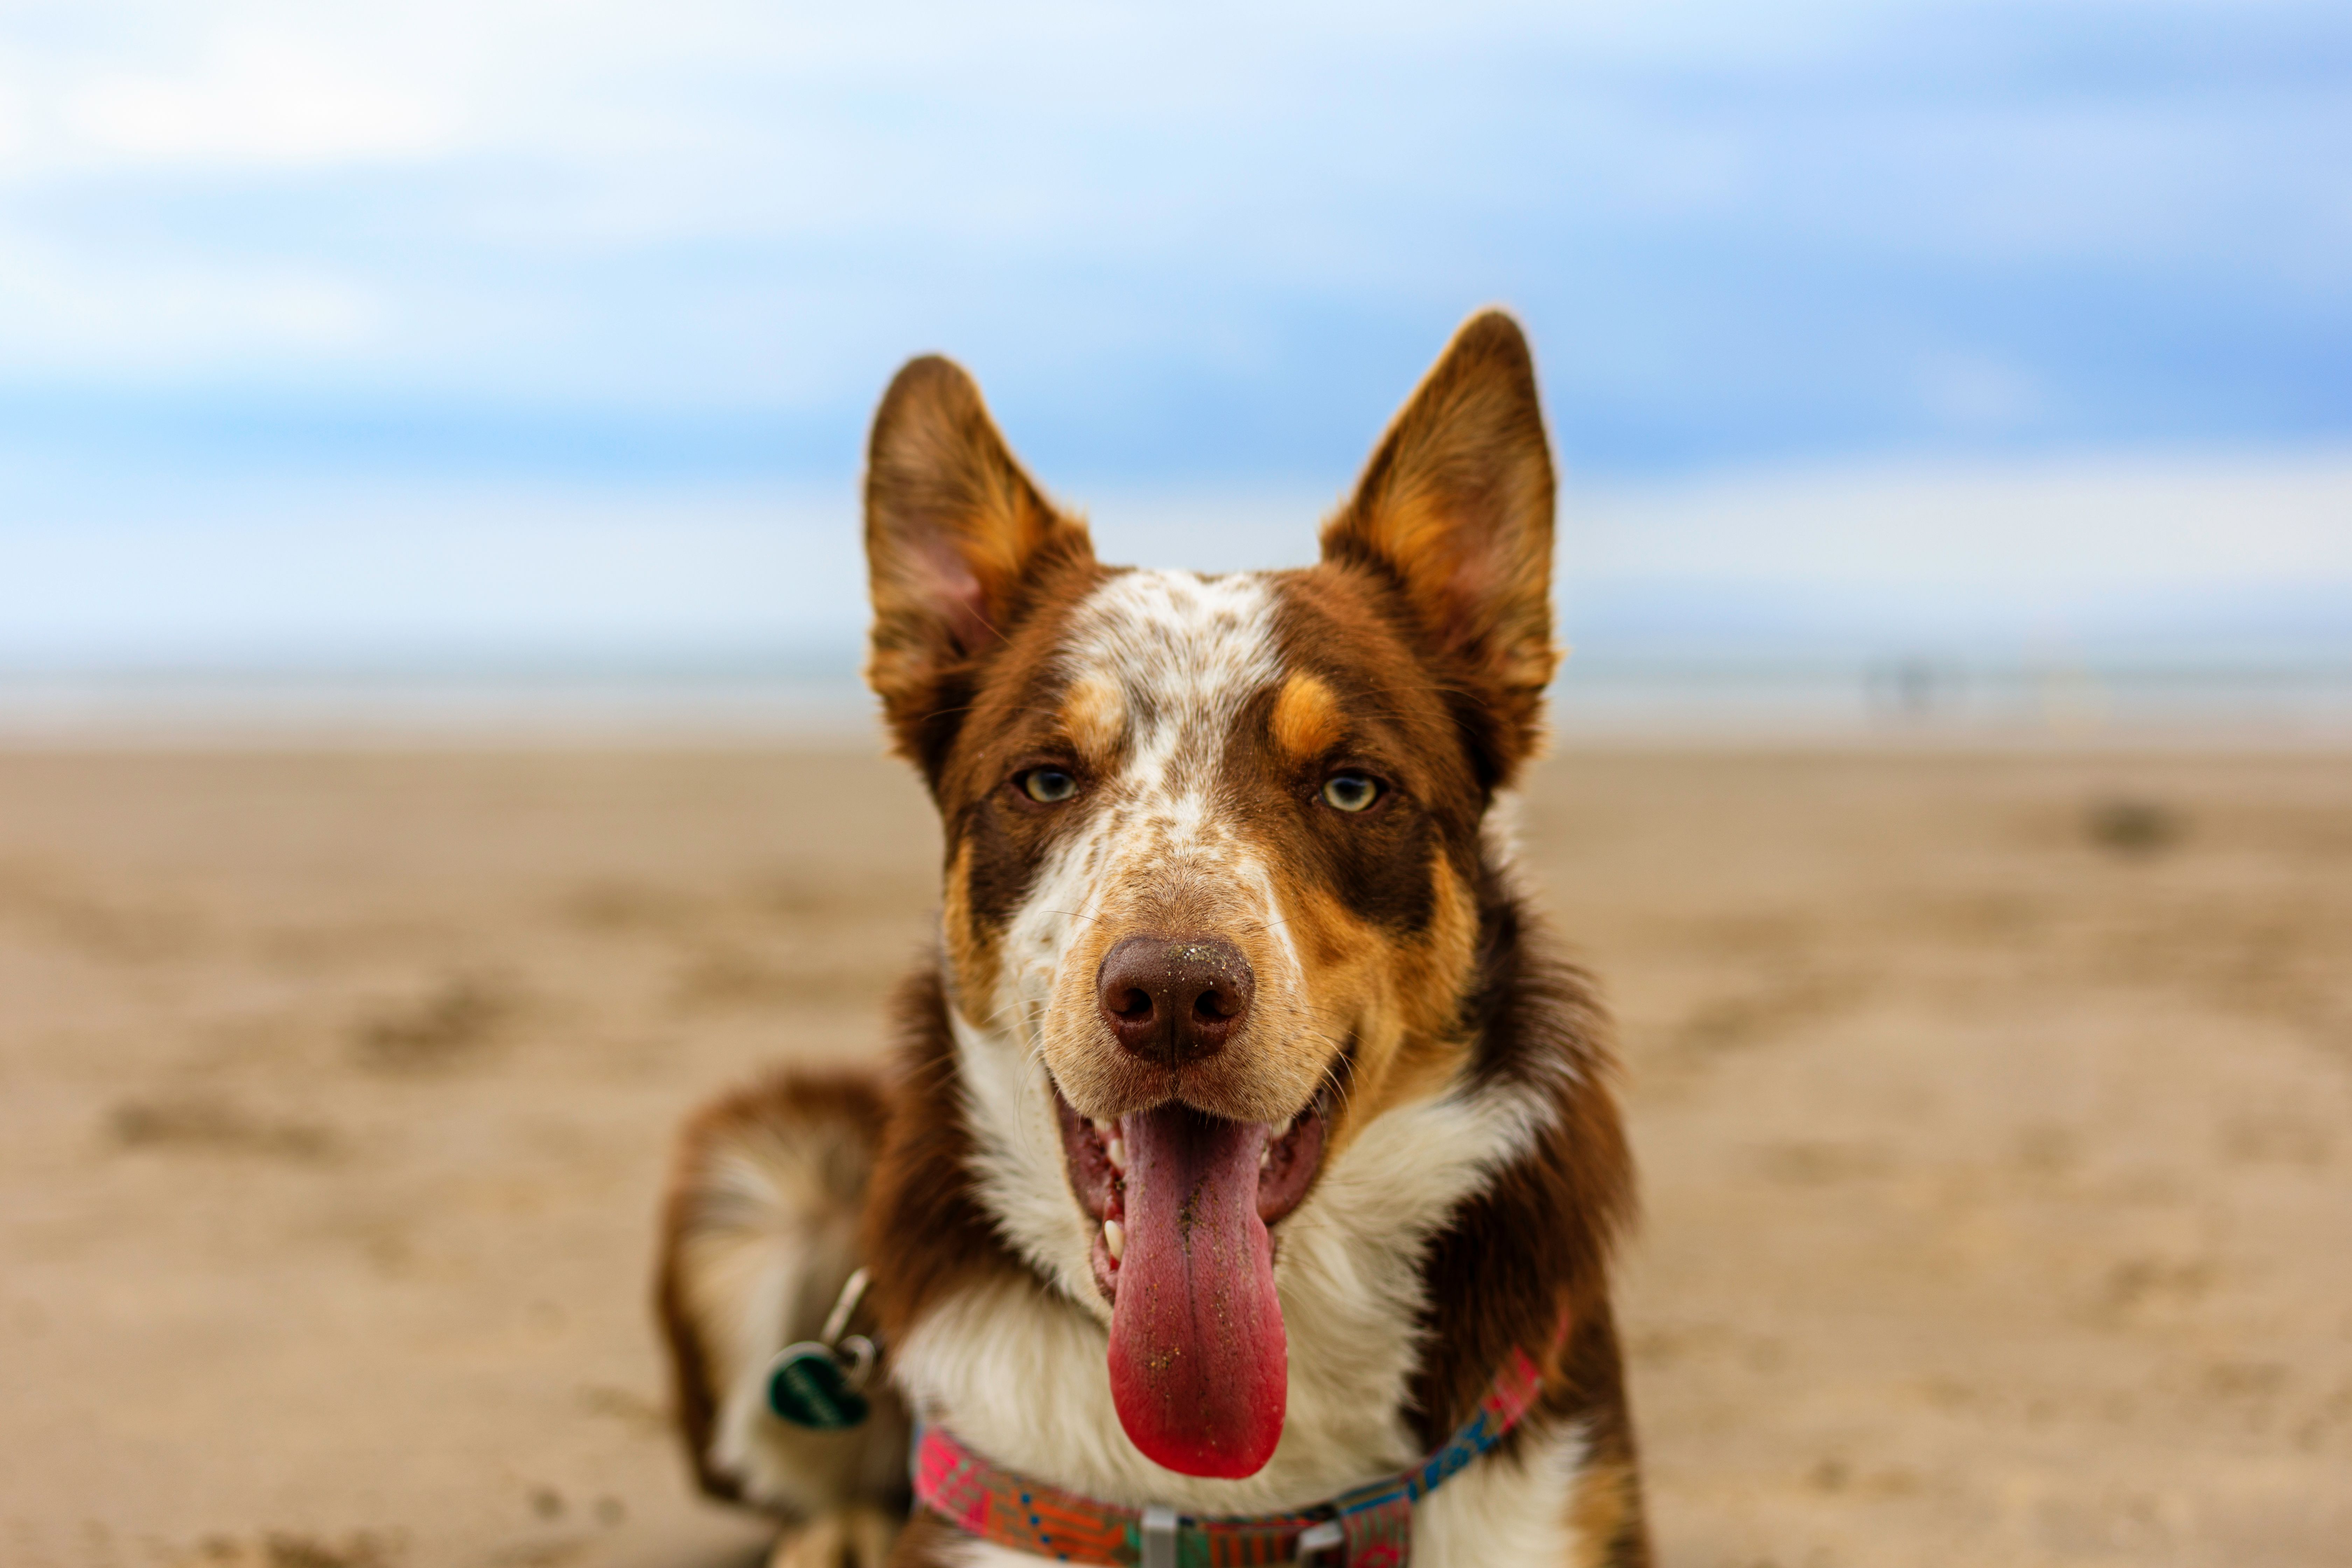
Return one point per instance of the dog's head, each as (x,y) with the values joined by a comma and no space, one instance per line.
(1212,843)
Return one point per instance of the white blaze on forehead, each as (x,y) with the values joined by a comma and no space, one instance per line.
(1187,652)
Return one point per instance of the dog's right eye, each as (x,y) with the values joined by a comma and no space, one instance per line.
(1350,792)
(1047,786)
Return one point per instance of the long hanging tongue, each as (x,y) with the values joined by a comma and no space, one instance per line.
(1199,1366)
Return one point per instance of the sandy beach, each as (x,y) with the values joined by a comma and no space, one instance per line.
(1994,1113)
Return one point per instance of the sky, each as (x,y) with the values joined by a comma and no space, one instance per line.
(510,328)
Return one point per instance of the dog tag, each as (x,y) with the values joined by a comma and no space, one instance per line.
(811,1386)
(820,1384)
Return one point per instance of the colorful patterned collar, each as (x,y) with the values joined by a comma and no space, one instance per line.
(1371,1527)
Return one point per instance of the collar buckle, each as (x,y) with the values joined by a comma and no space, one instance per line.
(1159,1537)
(1317,1539)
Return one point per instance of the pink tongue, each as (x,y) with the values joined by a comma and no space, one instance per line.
(1199,1367)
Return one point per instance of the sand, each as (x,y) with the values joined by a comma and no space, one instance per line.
(1995,1116)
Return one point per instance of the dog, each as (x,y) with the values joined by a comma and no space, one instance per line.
(1246,1185)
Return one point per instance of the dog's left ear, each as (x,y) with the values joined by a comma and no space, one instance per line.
(1456,509)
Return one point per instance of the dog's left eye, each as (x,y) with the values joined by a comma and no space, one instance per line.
(1047,786)
(1350,792)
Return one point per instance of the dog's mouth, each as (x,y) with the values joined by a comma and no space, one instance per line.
(1183,1251)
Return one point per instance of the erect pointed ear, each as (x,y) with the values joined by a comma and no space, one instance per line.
(1455,510)
(956,539)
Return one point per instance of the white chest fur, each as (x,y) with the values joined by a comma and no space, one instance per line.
(1017,1367)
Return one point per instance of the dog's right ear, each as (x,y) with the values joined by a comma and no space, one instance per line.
(957,539)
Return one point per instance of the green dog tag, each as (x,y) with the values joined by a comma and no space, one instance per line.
(809,1386)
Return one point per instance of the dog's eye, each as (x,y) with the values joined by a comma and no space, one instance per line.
(1350,792)
(1047,786)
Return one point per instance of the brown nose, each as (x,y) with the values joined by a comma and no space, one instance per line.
(1172,1002)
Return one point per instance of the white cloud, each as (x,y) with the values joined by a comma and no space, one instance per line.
(80,311)
(664,203)
(1979,392)
(290,573)
(130,568)
(258,99)
(1992,533)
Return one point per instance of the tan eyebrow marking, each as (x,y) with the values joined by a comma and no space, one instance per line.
(1306,721)
(1094,715)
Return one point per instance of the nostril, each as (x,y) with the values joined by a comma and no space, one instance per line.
(1135,1006)
(1212,1008)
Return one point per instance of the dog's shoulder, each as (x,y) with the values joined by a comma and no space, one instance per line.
(1527,1250)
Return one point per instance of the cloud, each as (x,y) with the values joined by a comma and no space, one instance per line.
(1985,561)
(426,575)
(92,316)
(1208,242)
(258,99)
(2046,526)
(2194,557)
(1973,391)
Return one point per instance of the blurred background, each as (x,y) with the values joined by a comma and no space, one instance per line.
(506,363)
(432,759)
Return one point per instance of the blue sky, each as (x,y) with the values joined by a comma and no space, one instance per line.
(303,294)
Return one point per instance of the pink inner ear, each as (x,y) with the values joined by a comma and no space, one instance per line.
(1475,592)
(946,587)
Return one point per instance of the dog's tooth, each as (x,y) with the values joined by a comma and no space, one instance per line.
(1115,1239)
(1102,1128)
(1115,1152)
(1266,1157)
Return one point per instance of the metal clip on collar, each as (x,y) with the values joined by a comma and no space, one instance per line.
(1159,1537)
(1161,1527)
(1317,1539)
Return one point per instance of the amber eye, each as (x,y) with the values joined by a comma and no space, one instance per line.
(1047,786)
(1350,792)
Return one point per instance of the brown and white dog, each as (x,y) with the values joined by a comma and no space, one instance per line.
(1244,1124)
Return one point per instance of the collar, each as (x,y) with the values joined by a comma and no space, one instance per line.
(1371,1527)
